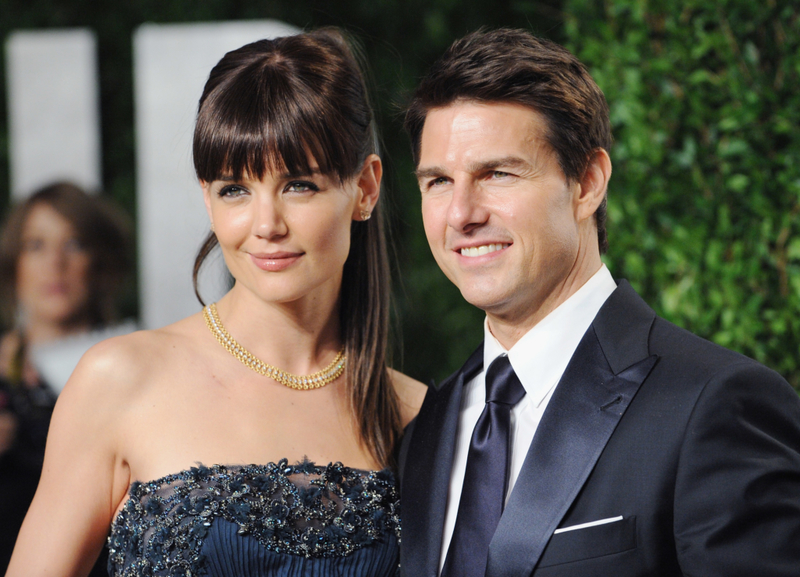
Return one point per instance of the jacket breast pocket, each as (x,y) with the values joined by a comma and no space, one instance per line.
(590,542)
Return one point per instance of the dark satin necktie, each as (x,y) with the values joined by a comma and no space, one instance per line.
(484,491)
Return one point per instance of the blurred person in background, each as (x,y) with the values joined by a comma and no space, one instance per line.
(254,438)
(63,257)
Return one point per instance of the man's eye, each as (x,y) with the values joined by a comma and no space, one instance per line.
(500,174)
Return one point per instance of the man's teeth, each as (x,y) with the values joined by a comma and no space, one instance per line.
(481,250)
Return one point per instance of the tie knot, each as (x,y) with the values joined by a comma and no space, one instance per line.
(502,383)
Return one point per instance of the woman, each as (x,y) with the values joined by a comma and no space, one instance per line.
(63,255)
(155,430)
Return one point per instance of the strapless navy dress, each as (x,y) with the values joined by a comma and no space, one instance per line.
(275,520)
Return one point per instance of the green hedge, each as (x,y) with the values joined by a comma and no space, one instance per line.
(704,202)
(705,100)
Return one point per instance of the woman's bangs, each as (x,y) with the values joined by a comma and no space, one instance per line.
(273,129)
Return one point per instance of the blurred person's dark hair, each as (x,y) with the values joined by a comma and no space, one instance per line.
(102,230)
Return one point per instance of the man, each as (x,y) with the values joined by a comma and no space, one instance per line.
(586,435)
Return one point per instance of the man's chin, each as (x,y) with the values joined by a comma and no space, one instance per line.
(493,302)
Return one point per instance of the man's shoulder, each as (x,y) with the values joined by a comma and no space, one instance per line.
(669,338)
(670,342)
(673,343)
(700,367)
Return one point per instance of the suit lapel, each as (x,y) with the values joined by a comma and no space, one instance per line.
(596,389)
(426,475)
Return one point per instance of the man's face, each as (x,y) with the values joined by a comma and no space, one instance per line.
(501,219)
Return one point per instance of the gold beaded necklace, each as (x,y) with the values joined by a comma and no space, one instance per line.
(300,382)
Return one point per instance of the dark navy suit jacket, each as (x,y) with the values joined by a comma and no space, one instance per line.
(696,447)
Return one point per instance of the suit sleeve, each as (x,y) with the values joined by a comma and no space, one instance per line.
(402,449)
(737,492)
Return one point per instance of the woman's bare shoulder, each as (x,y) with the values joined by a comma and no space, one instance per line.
(410,391)
(108,372)
(123,365)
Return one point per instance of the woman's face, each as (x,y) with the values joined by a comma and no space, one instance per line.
(287,237)
(52,270)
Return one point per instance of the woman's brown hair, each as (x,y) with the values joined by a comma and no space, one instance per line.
(101,229)
(268,107)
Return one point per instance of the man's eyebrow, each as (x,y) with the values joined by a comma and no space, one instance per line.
(495,163)
(429,172)
(476,167)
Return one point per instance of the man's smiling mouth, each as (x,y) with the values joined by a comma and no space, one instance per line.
(482,250)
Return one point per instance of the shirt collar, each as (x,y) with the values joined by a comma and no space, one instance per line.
(541,356)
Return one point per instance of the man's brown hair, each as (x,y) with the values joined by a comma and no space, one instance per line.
(513,66)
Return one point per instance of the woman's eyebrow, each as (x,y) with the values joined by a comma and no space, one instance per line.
(315,171)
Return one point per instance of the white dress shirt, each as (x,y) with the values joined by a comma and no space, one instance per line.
(539,359)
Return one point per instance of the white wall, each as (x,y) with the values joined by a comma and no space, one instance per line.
(53,110)
(171,65)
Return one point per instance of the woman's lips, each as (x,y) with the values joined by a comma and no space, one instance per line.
(56,289)
(276,261)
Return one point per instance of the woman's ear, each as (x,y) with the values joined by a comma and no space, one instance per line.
(369,187)
(593,184)
(206,186)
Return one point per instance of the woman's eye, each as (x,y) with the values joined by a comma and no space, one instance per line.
(74,245)
(301,186)
(32,244)
(231,191)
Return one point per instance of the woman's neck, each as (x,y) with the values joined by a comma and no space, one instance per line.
(298,337)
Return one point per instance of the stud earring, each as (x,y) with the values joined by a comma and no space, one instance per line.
(212,228)
(365,214)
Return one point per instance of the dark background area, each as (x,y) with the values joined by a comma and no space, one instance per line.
(705,101)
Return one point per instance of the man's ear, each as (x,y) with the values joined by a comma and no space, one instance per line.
(369,187)
(593,184)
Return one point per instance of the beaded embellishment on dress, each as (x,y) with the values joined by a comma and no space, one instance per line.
(302,510)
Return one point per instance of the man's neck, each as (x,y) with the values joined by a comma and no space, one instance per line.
(509,328)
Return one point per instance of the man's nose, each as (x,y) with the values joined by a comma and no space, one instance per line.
(467,208)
